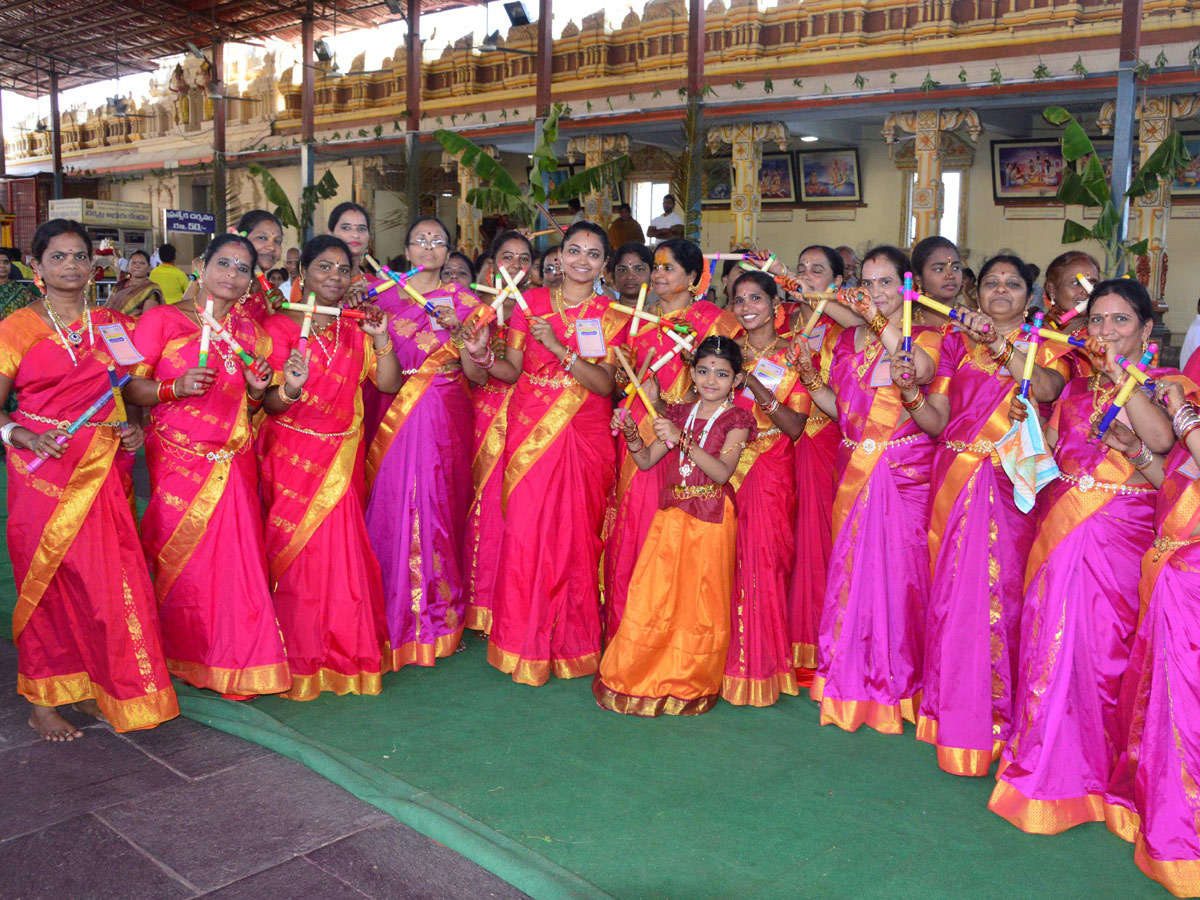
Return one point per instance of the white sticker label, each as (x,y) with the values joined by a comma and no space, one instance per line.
(881,375)
(439,303)
(817,337)
(589,336)
(770,374)
(1190,469)
(119,344)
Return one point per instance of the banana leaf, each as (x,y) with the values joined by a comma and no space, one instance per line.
(276,195)
(1074,232)
(473,157)
(592,180)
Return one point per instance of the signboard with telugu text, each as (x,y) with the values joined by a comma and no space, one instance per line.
(109,213)
(189,222)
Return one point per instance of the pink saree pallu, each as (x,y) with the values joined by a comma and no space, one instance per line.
(872,624)
(1076,630)
(1153,797)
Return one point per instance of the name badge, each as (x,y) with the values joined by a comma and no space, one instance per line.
(881,375)
(119,344)
(769,373)
(439,303)
(1190,468)
(589,337)
(817,337)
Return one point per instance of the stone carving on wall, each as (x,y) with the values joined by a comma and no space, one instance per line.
(746,140)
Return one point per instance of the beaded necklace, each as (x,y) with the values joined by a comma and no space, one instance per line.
(560,308)
(65,334)
(686,466)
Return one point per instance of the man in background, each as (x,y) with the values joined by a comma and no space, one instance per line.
(625,228)
(576,209)
(668,225)
(850,261)
(169,277)
(291,262)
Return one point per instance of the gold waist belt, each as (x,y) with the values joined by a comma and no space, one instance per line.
(559,381)
(1087,483)
(870,445)
(696,491)
(180,451)
(66,423)
(320,434)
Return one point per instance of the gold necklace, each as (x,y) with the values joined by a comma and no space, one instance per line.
(1101,398)
(560,308)
(752,355)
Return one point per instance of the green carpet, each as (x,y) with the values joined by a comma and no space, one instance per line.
(564,800)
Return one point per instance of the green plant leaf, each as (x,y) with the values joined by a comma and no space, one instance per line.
(1079,68)
(962,74)
(1160,61)
(798,82)
(1140,248)
(995,77)
(592,180)
(768,86)
(929,84)
(1041,72)
(276,195)
(473,157)
(1073,232)
(859,81)
(1071,190)
(1094,181)
(739,85)
(1055,115)
(1075,142)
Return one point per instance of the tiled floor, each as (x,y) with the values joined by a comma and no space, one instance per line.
(184,811)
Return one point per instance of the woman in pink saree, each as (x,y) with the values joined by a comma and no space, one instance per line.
(1081,582)
(978,537)
(872,624)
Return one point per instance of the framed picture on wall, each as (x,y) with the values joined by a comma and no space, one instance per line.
(829,176)
(1027,170)
(1187,182)
(555,178)
(716,184)
(776,178)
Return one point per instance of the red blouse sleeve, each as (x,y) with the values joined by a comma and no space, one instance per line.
(150,340)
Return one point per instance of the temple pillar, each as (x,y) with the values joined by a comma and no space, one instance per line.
(927,125)
(469,216)
(746,141)
(1150,212)
(595,150)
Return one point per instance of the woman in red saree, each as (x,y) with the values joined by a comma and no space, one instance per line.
(85,623)
(678,266)
(325,579)
(872,624)
(202,531)
(558,467)
(485,522)
(979,538)
(759,666)
(1081,584)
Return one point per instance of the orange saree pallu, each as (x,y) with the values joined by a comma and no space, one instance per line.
(668,655)
(978,543)
(202,531)
(325,579)
(85,623)
(485,521)
(873,621)
(637,492)
(419,483)
(559,464)
(759,667)
(816,453)
(1077,626)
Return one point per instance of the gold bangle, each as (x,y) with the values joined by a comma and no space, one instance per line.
(385,350)
(878,324)
(1005,353)
(914,405)
(457,341)
(814,383)
(289,400)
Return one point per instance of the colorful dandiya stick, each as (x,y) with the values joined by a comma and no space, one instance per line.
(1137,374)
(484,289)
(666,324)
(637,386)
(1031,353)
(515,291)
(906,315)
(114,382)
(1124,393)
(950,312)
(1058,337)
(1082,305)
(638,310)
(206,334)
(306,325)
(88,415)
(338,312)
(684,343)
(228,338)
(730,257)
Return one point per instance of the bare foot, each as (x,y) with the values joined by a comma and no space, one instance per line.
(46,721)
(91,708)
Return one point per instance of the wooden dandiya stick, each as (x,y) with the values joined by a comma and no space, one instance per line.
(1031,353)
(906,315)
(666,324)
(306,326)
(638,310)
(630,393)
(87,416)
(118,401)
(637,386)
(338,312)
(1124,393)
(557,229)
(228,338)
(1058,337)
(206,334)
(515,291)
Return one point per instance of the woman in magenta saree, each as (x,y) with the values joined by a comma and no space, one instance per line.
(1152,796)
(1080,610)
(85,623)
(325,579)
(559,465)
(202,531)
(419,461)
(978,538)
(872,624)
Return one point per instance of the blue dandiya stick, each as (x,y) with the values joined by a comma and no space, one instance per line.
(1035,338)
(87,416)
(1057,336)
(1125,393)
(114,384)
(906,316)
